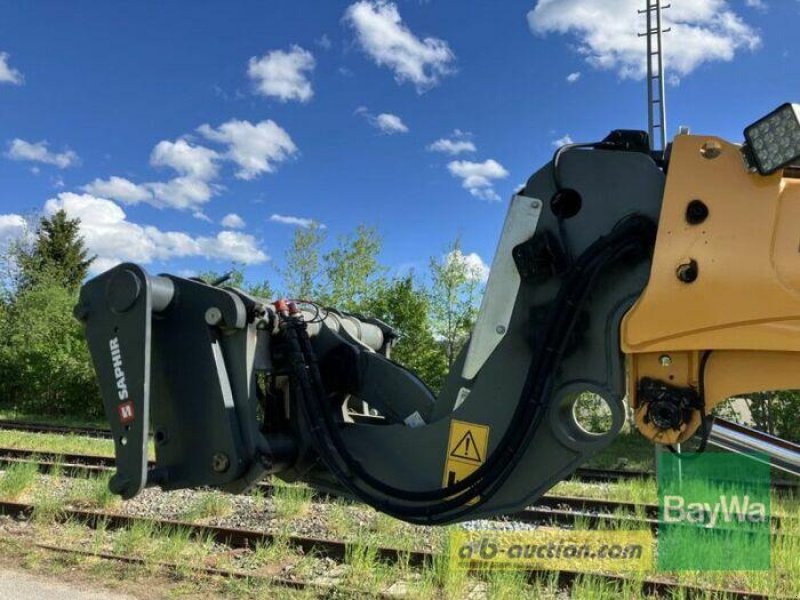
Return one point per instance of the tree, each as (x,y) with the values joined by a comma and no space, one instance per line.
(59,252)
(352,272)
(454,298)
(777,413)
(302,270)
(44,362)
(406,308)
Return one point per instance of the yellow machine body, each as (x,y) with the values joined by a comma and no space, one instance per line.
(732,326)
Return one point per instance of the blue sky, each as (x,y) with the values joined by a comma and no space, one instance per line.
(154,122)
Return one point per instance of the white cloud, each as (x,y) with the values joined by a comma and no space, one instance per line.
(385,122)
(703,31)
(12,227)
(477,177)
(109,234)
(562,141)
(201,216)
(757,4)
(454,145)
(283,75)
(389,42)
(233,221)
(255,148)
(389,123)
(120,189)
(38,152)
(196,162)
(476,268)
(296,221)
(324,42)
(8,74)
(182,193)
(573,77)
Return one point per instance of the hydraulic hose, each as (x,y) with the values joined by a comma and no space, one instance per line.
(632,235)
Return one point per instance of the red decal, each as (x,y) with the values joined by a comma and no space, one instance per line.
(125,412)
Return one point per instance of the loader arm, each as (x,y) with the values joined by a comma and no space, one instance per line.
(608,279)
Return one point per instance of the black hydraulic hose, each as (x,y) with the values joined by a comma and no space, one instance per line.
(534,400)
(630,235)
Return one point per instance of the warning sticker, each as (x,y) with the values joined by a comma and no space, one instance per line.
(466,450)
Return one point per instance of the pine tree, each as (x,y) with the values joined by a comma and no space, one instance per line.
(58,253)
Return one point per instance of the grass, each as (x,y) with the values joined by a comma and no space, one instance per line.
(209,505)
(56,443)
(291,501)
(639,491)
(628,451)
(135,540)
(508,585)
(17,479)
(444,577)
(59,443)
(92,492)
(101,575)
(366,530)
(47,508)
(66,421)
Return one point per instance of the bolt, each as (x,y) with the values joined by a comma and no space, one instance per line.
(220,462)
(711,150)
(213,316)
(123,440)
(665,360)
(500,329)
(688,272)
(536,204)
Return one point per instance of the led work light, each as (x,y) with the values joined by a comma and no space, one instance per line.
(774,141)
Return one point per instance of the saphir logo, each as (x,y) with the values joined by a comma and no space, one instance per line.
(125,408)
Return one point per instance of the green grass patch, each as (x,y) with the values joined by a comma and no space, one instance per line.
(58,443)
(92,492)
(65,421)
(210,505)
(628,451)
(17,479)
(291,501)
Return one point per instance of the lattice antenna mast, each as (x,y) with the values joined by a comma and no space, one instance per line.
(656,101)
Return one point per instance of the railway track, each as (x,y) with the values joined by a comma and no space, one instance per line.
(551,509)
(333,549)
(92,432)
(583,474)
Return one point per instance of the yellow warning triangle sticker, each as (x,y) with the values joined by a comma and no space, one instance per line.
(467,449)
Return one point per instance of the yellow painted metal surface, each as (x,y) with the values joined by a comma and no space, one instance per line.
(745,303)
